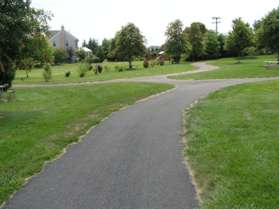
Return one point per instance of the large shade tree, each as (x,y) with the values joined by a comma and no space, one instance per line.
(18,22)
(269,31)
(241,37)
(196,34)
(176,43)
(212,45)
(129,43)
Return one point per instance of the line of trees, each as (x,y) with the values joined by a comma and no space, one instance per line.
(197,42)
(23,40)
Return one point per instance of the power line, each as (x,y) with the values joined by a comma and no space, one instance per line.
(216,20)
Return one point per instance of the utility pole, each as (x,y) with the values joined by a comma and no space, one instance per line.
(216,20)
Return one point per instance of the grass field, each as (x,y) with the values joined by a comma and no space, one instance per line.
(41,122)
(58,72)
(233,147)
(248,68)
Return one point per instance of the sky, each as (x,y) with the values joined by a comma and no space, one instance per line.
(101,19)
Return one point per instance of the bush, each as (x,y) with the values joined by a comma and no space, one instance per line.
(119,68)
(83,69)
(26,64)
(92,59)
(90,68)
(47,72)
(250,51)
(81,54)
(98,69)
(145,63)
(68,74)
(153,63)
(60,56)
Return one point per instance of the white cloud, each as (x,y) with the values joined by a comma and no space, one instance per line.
(102,18)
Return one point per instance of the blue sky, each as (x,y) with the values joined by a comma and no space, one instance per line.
(102,18)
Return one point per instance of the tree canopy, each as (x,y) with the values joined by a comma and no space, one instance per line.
(176,43)
(130,43)
(269,31)
(196,34)
(18,23)
(240,37)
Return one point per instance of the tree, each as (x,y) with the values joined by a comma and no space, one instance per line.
(129,43)
(212,45)
(18,22)
(270,31)
(93,45)
(60,56)
(240,37)
(106,47)
(196,34)
(222,41)
(176,43)
(38,48)
(81,54)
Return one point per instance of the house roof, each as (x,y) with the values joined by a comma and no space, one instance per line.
(53,33)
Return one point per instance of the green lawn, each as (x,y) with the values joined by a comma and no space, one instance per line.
(233,147)
(248,68)
(58,72)
(41,122)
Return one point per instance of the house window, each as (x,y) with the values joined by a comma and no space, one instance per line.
(54,44)
(67,44)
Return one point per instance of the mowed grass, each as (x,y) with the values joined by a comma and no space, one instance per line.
(233,147)
(41,122)
(58,72)
(248,68)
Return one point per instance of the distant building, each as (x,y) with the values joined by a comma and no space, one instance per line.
(154,49)
(63,40)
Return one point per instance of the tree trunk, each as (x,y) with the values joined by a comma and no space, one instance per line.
(130,64)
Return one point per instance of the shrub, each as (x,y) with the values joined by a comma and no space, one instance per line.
(250,51)
(145,63)
(26,64)
(68,74)
(47,72)
(81,54)
(119,68)
(83,69)
(60,56)
(92,59)
(153,63)
(99,69)
(90,68)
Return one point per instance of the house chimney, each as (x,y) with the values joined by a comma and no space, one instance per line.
(62,38)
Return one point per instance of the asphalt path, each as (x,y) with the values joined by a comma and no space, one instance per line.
(132,160)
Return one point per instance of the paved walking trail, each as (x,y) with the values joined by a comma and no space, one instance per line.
(132,160)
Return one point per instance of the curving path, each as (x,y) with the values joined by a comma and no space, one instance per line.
(198,66)
(133,160)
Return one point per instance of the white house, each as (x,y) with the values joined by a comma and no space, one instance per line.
(63,39)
